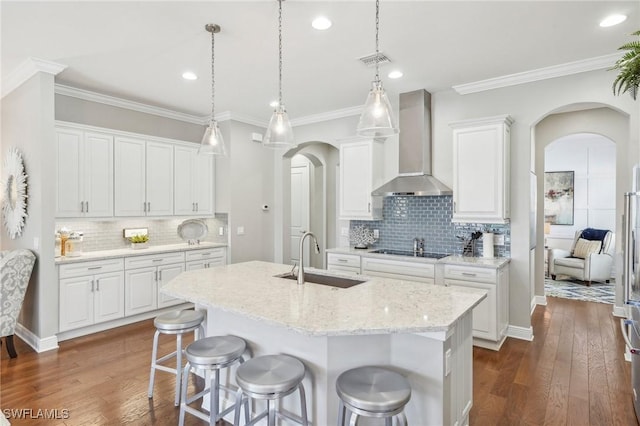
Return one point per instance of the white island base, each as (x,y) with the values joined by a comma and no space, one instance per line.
(437,364)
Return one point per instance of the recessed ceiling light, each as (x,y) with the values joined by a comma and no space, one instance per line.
(612,20)
(321,23)
(188,75)
(395,74)
(273,104)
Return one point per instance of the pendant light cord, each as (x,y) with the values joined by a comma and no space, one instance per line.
(213,75)
(377,41)
(280,53)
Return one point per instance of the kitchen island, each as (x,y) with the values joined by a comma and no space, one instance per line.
(422,331)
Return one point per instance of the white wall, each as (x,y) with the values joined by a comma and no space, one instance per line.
(592,158)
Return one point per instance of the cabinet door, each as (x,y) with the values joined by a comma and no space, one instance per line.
(129,177)
(109,297)
(355,180)
(98,175)
(166,274)
(184,202)
(196,264)
(140,290)
(68,177)
(484,314)
(76,302)
(203,184)
(159,179)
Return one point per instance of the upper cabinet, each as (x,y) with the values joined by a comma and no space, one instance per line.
(361,168)
(193,182)
(143,178)
(481,170)
(84,173)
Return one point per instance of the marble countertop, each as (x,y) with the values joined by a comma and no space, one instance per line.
(488,262)
(377,306)
(110,254)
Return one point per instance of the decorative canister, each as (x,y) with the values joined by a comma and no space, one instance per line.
(74,244)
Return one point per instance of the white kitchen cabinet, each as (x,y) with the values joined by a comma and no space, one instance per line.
(361,171)
(90,293)
(145,275)
(491,316)
(481,171)
(143,177)
(84,178)
(397,269)
(205,258)
(193,182)
(344,263)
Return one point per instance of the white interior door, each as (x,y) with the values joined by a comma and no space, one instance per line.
(299,206)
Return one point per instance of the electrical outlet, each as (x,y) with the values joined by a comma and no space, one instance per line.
(376,233)
(344,231)
(498,239)
(221,230)
(240,230)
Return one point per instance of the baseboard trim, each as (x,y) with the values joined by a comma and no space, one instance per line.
(538,300)
(522,333)
(39,345)
(618,311)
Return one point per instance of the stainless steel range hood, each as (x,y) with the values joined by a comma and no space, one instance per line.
(415,150)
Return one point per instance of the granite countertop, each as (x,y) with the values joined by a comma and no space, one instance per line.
(110,254)
(488,262)
(377,306)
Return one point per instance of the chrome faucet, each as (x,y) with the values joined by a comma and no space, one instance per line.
(301,265)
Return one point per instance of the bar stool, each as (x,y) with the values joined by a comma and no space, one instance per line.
(270,377)
(212,354)
(372,392)
(178,323)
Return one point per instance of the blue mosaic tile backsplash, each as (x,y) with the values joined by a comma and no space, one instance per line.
(406,218)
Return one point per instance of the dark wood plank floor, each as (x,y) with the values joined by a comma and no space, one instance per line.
(573,373)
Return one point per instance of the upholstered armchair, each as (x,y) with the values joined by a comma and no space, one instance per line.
(15,272)
(590,258)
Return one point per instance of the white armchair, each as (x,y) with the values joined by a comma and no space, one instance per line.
(15,271)
(593,267)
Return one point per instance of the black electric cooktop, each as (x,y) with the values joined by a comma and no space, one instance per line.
(410,253)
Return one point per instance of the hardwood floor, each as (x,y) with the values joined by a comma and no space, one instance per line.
(573,373)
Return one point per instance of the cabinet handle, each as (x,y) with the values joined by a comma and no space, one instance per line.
(92,268)
(157,260)
(155,276)
(369,207)
(342,260)
(148,206)
(87,209)
(206,254)
(144,206)
(98,285)
(454,206)
(193,207)
(159,275)
(468,274)
(81,206)
(197,207)
(92,284)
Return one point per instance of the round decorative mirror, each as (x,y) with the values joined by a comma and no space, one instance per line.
(14,193)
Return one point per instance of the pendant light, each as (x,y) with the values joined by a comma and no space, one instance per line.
(279,132)
(212,141)
(377,117)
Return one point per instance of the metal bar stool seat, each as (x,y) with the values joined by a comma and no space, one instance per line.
(270,378)
(179,323)
(372,392)
(213,354)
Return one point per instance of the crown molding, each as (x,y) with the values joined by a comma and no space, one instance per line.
(228,115)
(28,69)
(561,70)
(88,95)
(325,116)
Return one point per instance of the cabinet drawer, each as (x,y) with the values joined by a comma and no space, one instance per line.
(470,273)
(375,266)
(211,253)
(344,269)
(343,260)
(153,260)
(90,268)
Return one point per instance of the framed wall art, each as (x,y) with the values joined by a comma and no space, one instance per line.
(558,197)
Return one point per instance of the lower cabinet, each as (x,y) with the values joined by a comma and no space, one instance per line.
(91,293)
(343,263)
(206,258)
(145,276)
(400,270)
(491,316)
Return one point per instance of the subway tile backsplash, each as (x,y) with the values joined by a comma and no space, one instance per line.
(406,218)
(107,234)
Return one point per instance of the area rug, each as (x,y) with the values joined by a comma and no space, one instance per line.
(577,290)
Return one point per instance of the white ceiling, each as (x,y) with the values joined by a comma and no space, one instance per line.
(138,50)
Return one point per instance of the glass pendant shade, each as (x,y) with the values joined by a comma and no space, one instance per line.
(279,133)
(377,118)
(212,141)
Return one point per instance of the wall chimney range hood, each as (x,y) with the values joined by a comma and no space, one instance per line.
(415,150)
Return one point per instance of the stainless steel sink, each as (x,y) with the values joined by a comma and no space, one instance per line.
(330,280)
